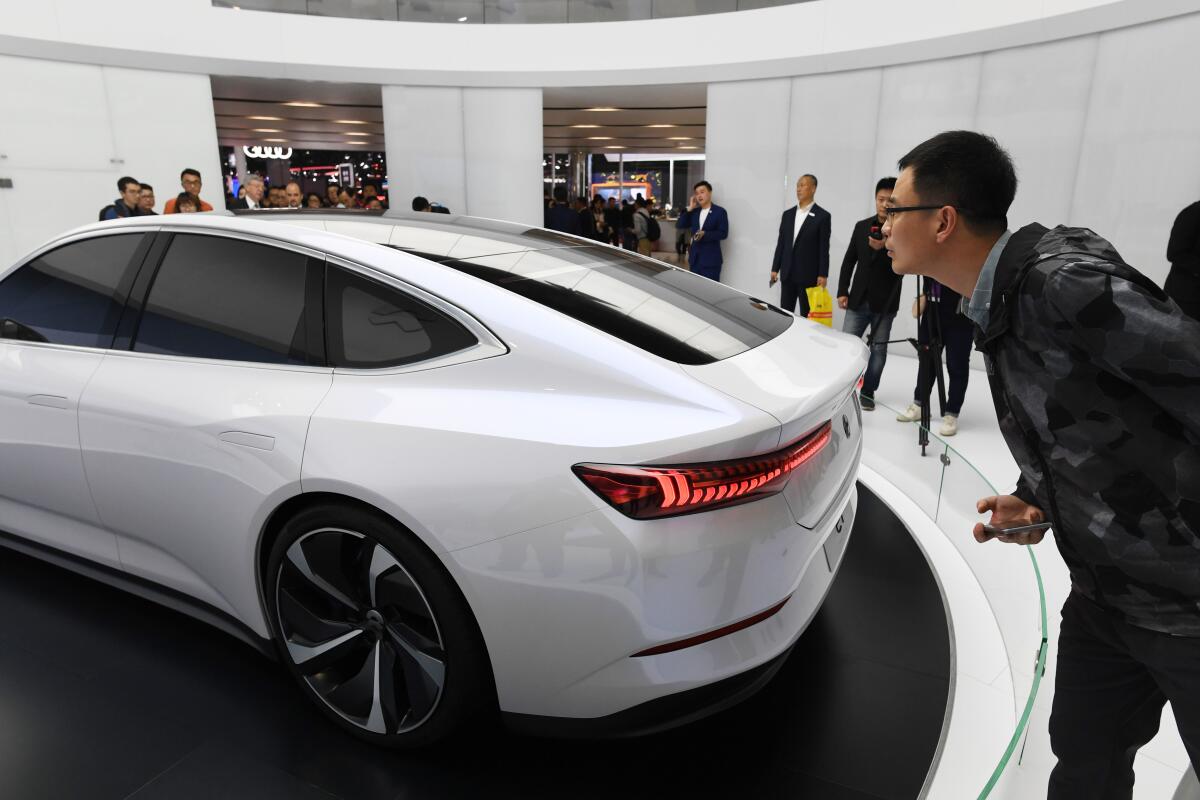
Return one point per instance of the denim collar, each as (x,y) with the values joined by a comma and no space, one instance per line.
(976,306)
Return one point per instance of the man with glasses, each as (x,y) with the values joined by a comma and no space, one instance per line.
(189,179)
(1096,381)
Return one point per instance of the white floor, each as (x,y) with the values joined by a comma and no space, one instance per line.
(992,596)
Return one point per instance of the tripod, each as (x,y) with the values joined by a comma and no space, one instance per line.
(929,359)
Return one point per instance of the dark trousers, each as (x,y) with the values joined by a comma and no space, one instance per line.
(956,334)
(714,273)
(1112,681)
(790,294)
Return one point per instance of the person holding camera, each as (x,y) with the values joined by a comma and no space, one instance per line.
(1095,377)
(801,258)
(869,291)
(709,225)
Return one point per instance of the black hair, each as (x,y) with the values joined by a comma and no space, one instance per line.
(816,183)
(640,202)
(888,183)
(420,204)
(146,186)
(125,181)
(969,171)
(190,171)
(560,194)
(189,198)
(705,184)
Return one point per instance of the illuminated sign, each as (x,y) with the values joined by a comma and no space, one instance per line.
(266,152)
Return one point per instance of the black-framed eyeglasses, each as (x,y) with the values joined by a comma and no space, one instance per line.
(891,211)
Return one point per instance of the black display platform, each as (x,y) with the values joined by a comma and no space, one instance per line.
(104,695)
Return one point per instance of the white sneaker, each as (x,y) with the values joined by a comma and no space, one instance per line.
(949,425)
(910,414)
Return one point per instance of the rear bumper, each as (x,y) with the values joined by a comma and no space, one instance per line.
(654,716)
(565,608)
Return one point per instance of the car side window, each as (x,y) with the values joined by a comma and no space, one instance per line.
(228,299)
(372,325)
(71,295)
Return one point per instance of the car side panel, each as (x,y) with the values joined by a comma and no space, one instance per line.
(186,458)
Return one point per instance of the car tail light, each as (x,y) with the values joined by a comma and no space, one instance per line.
(654,492)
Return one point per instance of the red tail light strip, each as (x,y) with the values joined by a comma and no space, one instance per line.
(717,634)
(652,492)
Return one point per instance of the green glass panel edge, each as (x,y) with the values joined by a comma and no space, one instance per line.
(1040,667)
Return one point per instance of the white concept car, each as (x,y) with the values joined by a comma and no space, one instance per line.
(437,465)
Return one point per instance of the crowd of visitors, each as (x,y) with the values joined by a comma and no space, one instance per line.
(136,199)
(632,225)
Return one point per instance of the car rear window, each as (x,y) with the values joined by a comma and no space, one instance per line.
(669,312)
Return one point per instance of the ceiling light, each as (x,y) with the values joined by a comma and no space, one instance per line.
(351,121)
(272,119)
(679,138)
(267,130)
(600,138)
(357,133)
(602,108)
(614,147)
(462,19)
(688,147)
(587,126)
(302,104)
(662,126)
(274,140)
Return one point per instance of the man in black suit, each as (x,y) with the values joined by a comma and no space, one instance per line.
(1183,251)
(872,299)
(802,251)
(254,193)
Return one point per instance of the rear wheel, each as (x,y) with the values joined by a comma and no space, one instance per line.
(371,626)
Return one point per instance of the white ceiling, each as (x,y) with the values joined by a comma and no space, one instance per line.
(350,116)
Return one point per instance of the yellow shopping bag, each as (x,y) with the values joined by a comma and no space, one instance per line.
(820,305)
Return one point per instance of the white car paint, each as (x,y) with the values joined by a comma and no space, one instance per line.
(178,463)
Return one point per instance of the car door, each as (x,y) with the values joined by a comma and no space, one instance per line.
(58,315)
(192,434)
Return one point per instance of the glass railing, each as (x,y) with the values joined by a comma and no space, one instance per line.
(947,486)
(504,11)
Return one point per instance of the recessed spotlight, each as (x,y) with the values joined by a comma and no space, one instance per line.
(351,121)
(680,138)
(357,133)
(302,104)
(602,108)
(614,147)
(267,119)
(587,126)
(688,147)
(274,140)
(662,126)
(599,138)
(267,130)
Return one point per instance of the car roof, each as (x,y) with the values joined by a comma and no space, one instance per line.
(436,236)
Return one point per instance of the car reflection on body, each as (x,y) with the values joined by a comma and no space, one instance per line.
(437,465)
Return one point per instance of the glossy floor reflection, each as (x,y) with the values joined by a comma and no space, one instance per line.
(104,695)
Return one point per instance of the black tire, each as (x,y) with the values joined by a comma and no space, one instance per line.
(363,615)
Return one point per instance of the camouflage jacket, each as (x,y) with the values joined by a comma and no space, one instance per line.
(1095,375)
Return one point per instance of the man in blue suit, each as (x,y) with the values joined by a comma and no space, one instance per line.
(709,224)
(802,251)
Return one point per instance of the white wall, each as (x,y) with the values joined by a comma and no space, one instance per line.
(476,151)
(1103,129)
(69,131)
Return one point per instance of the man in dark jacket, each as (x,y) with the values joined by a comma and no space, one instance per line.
(1183,251)
(560,216)
(872,298)
(801,258)
(127,204)
(1095,377)
(708,224)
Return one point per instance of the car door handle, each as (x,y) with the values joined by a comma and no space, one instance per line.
(253,440)
(49,401)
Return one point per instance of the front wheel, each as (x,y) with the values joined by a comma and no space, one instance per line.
(373,629)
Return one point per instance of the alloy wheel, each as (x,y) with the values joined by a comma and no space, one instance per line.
(360,631)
